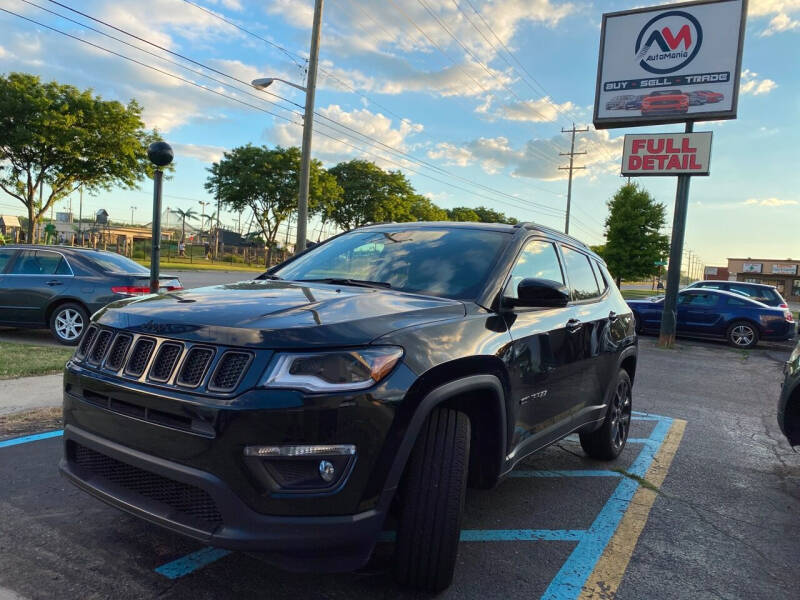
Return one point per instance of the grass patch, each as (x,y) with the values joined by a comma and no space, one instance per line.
(637,294)
(202,265)
(30,421)
(22,360)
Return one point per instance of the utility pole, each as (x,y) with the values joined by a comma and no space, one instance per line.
(308,122)
(80,216)
(216,240)
(203,212)
(133,208)
(571,168)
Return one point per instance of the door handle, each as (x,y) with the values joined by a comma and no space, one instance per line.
(574,325)
(54,282)
(612,316)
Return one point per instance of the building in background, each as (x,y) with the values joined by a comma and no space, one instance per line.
(716,274)
(783,274)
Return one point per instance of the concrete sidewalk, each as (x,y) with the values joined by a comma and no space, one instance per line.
(27,393)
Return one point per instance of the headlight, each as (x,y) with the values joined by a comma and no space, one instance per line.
(332,371)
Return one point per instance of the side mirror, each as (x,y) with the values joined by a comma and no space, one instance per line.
(541,293)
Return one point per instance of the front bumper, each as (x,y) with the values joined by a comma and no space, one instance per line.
(202,506)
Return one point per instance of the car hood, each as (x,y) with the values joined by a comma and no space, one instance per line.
(277,314)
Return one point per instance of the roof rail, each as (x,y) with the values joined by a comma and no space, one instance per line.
(537,227)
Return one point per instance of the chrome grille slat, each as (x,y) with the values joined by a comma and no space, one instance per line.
(194,366)
(229,371)
(165,361)
(118,352)
(98,351)
(140,355)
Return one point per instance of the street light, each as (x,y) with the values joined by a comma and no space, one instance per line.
(308,123)
(265,82)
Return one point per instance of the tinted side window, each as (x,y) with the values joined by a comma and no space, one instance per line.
(737,302)
(40,262)
(698,300)
(538,260)
(581,277)
(5,256)
(598,274)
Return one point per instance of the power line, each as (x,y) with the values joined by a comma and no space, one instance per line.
(532,205)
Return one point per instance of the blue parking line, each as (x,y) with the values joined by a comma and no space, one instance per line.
(191,562)
(31,438)
(565,473)
(569,580)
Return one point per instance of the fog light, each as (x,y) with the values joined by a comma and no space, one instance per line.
(326,471)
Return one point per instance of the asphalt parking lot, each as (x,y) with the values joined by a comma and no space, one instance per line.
(703,503)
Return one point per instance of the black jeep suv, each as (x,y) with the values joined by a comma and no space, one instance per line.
(381,371)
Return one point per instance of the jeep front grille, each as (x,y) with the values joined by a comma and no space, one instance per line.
(229,371)
(87,340)
(139,357)
(194,366)
(116,356)
(165,361)
(98,351)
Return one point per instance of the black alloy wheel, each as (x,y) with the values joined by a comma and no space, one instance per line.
(607,442)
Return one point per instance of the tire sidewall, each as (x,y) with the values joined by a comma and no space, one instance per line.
(61,308)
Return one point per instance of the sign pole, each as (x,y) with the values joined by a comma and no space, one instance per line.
(666,338)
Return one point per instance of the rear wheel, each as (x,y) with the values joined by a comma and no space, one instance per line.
(607,442)
(68,322)
(742,334)
(432,502)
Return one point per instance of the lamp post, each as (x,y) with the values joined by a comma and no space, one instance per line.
(160,154)
(308,123)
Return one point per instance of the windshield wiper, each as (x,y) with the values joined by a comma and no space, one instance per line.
(354,282)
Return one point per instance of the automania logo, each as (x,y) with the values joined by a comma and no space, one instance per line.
(668,42)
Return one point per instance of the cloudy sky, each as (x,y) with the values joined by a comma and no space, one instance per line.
(468,97)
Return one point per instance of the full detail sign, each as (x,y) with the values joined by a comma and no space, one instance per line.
(666,154)
(669,64)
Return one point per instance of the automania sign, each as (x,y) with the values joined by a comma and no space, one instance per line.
(666,154)
(670,63)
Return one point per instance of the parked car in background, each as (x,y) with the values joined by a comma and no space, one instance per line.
(383,369)
(789,403)
(59,287)
(711,97)
(618,102)
(717,314)
(634,102)
(665,102)
(766,294)
(696,98)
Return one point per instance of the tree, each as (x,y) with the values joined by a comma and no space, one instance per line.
(422,209)
(488,215)
(267,182)
(634,242)
(61,137)
(462,213)
(370,195)
(183,215)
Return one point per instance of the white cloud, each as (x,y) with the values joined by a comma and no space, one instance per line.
(374,125)
(779,23)
(537,159)
(770,202)
(750,84)
(543,110)
(760,8)
(208,154)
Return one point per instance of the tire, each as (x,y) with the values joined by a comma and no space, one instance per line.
(607,442)
(432,503)
(742,334)
(68,323)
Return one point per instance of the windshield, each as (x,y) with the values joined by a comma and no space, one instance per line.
(447,262)
(115,263)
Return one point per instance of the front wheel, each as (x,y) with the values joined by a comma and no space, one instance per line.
(432,502)
(607,442)
(68,322)
(742,334)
